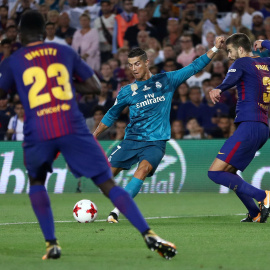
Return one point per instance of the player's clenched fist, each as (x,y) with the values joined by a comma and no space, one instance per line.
(219,42)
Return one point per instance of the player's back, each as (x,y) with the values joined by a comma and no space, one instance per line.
(253,89)
(43,77)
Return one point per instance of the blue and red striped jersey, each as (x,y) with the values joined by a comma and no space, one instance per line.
(251,75)
(43,76)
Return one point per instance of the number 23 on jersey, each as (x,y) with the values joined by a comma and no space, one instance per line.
(38,78)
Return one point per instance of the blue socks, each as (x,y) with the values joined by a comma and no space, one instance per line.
(244,190)
(121,199)
(134,186)
(41,205)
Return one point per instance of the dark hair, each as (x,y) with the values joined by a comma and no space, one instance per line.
(6,41)
(239,40)
(99,108)
(138,52)
(217,75)
(49,23)
(11,27)
(5,7)
(32,26)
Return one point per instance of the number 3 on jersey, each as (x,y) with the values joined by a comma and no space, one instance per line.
(37,77)
(266,95)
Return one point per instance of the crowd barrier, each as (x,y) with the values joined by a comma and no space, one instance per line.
(183,168)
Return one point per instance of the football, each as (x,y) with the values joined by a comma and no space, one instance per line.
(85,211)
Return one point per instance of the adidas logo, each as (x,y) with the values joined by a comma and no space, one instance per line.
(146,88)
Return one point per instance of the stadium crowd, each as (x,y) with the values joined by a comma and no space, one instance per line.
(173,33)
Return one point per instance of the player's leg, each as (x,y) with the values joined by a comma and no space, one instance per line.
(122,200)
(233,180)
(237,152)
(133,187)
(38,161)
(85,158)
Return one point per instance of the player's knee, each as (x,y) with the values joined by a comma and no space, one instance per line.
(214,176)
(142,172)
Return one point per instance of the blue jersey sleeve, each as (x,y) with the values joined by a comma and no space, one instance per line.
(7,81)
(179,76)
(266,44)
(232,77)
(81,69)
(113,113)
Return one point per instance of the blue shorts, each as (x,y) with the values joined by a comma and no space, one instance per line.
(241,147)
(128,153)
(82,153)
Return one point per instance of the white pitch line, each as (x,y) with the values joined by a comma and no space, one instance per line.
(103,220)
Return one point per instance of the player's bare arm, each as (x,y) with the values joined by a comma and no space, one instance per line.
(219,42)
(101,127)
(90,86)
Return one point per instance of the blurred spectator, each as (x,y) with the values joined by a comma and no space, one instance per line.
(266,25)
(93,122)
(210,40)
(177,130)
(168,53)
(188,51)
(15,126)
(180,97)
(198,78)
(5,48)
(104,25)
(93,10)
(116,7)
(174,34)
(74,12)
(104,99)
(64,31)
(191,108)
(209,23)
(5,109)
(194,129)
(240,17)
(86,43)
(12,35)
(219,68)
(107,75)
(53,17)
(266,8)
(4,17)
(200,50)
(50,34)
(130,38)
(18,9)
(53,4)
(224,124)
(155,45)
(44,9)
(189,21)
(140,4)
(160,23)
(143,40)
(120,127)
(122,21)
(169,65)
(211,112)
(257,23)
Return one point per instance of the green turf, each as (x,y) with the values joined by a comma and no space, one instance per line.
(205,228)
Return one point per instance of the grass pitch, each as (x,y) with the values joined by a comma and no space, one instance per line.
(204,226)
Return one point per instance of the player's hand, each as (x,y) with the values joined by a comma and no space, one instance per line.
(258,45)
(219,42)
(215,95)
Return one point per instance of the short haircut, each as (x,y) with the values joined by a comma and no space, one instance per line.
(99,108)
(86,16)
(6,41)
(138,52)
(239,40)
(32,23)
(5,7)
(50,23)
